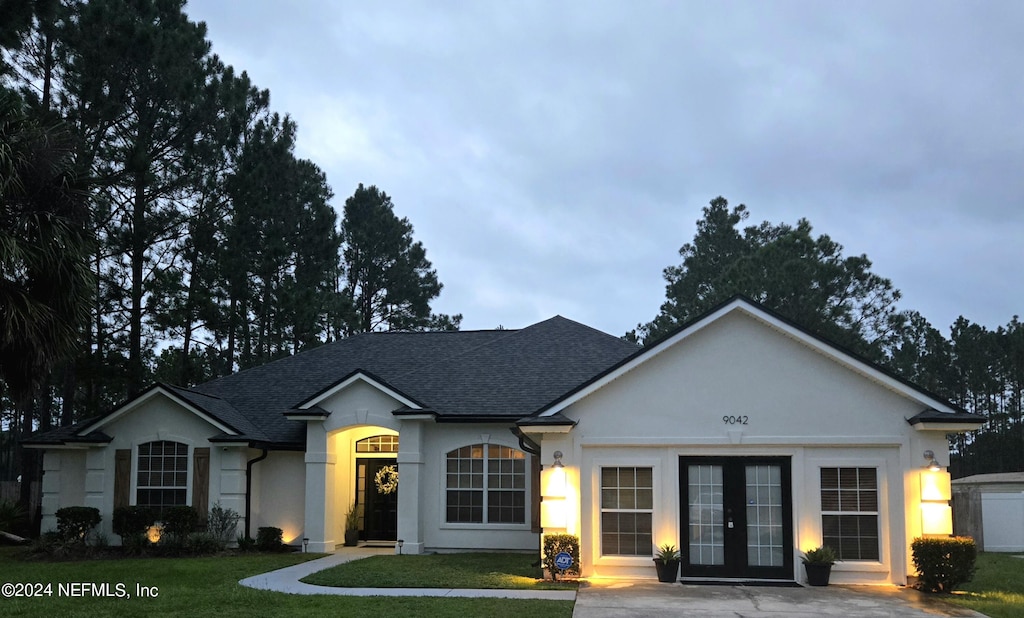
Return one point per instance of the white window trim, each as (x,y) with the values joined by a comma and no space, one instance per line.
(443,477)
(656,465)
(881,466)
(133,498)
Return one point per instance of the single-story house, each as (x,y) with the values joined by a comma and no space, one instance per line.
(740,438)
(990,508)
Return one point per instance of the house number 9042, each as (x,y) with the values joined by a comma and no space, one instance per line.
(735,420)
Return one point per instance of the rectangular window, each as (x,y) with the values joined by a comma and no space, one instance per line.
(162,478)
(627,508)
(849,512)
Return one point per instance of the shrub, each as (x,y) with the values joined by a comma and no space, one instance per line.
(74,523)
(820,555)
(129,521)
(221,522)
(944,563)
(204,543)
(269,538)
(180,521)
(135,544)
(557,543)
(246,543)
(11,516)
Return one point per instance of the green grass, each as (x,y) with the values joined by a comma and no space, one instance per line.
(997,589)
(209,586)
(470,570)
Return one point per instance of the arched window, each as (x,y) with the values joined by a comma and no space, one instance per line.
(486,484)
(162,475)
(378,444)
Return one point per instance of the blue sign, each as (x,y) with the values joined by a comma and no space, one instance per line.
(563,560)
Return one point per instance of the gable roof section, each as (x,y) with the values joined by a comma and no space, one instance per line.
(742,304)
(364,377)
(217,413)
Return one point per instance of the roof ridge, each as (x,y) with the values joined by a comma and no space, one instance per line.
(503,333)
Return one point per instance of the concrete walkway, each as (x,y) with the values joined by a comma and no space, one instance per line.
(635,598)
(599,598)
(287,580)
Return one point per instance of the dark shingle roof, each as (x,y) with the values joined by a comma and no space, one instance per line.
(455,375)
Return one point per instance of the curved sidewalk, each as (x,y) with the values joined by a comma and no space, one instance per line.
(287,580)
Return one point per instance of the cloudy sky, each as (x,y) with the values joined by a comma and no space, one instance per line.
(553,156)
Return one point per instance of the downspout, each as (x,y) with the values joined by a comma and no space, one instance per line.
(525,442)
(248,491)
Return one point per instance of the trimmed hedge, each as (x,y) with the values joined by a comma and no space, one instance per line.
(180,521)
(269,538)
(557,543)
(132,521)
(74,523)
(944,563)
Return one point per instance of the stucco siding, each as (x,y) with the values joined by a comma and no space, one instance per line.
(440,535)
(781,398)
(279,494)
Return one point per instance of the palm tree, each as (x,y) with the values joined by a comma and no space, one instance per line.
(44,270)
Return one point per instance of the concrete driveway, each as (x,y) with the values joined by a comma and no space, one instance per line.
(619,599)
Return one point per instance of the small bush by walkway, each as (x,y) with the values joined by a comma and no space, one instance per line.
(469,570)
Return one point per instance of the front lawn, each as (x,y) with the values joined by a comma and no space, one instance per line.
(209,586)
(471,570)
(997,589)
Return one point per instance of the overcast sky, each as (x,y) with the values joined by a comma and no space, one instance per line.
(553,156)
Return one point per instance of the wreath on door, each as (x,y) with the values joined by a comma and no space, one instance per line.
(387,479)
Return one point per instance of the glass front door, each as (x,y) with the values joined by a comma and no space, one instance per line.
(377,498)
(737,517)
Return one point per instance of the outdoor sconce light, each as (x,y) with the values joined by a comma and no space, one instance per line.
(552,506)
(400,543)
(936,492)
(305,544)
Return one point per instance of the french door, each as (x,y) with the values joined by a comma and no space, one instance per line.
(737,517)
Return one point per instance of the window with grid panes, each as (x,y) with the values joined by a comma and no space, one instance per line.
(849,512)
(486,484)
(627,510)
(162,478)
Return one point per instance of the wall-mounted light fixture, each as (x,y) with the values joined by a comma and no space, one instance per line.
(552,506)
(936,492)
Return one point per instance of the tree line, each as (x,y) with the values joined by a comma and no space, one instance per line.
(156,223)
(807,279)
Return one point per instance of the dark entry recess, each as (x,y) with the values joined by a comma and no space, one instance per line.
(737,517)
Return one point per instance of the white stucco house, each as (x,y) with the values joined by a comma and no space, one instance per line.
(740,438)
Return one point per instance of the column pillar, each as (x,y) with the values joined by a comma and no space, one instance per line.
(410,473)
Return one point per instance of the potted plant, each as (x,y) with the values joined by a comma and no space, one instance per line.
(352,527)
(667,563)
(818,564)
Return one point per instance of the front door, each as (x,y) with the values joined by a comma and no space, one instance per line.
(737,518)
(377,494)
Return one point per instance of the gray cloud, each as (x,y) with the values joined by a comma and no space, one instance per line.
(554,156)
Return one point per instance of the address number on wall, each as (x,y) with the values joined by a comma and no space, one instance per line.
(735,420)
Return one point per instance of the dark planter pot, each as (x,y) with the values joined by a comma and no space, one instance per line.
(818,573)
(667,570)
(351,538)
